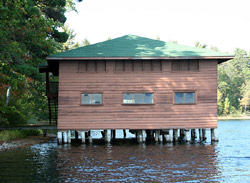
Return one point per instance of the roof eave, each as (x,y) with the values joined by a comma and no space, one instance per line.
(224,58)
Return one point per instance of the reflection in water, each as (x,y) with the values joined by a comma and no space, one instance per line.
(133,163)
(227,161)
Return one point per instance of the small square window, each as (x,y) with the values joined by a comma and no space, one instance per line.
(179,98)
(127,98)
(138,98)
(148,98)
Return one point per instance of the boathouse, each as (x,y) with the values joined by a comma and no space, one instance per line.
(155,89)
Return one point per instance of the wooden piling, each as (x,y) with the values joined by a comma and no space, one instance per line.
(182,135)
(65,137)
(187,135)
(90,137)
(82,133)
(144,135)
(139,136)
(214,135)
(200,135)
(204,134)
(76,135)
(113,134)
(157,134)
(59,138)
(175,134)
(193,134)
(168,136)
(124,134)
(107,134)
(69,136)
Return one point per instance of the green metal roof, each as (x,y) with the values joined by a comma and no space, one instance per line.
(135,46)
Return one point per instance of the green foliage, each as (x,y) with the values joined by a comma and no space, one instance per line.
(234,84)
(7,135)
(29,31)
(32,132)
(199,45)
(226,109)
(85,42)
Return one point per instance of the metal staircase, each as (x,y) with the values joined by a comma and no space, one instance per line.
(52,94)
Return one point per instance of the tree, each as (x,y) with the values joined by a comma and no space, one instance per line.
(70,44)
(234,80)
(199,45)
(226,109)
(85,42)
(29,31)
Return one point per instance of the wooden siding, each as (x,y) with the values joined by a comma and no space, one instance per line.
(163,114)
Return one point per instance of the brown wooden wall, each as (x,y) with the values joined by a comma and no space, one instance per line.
(163,114)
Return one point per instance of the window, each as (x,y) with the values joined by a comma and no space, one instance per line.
(184,97)
(138,98)
(91,98)
(185,65)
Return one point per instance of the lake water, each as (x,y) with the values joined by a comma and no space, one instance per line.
(225,161)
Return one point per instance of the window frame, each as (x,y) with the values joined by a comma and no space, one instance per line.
(185,91)
(87,92)
(132,92)
(189,60)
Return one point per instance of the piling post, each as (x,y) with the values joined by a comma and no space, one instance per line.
(175,134)
(139,136)
(204,135)
(157,134)
(107,134)
(76,134)
(124,133)
(182,135)
(82,133)
(193,134)
(65,137)
(187,135)
(200,135)
(69,136)
(214,135)
(144,135)
(90,137)
(113,134)
(150,135)
(168,136)
(59,138)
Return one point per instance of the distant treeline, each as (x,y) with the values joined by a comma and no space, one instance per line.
(234,84)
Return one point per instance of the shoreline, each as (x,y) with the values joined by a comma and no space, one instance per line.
(22,143)
(233,117)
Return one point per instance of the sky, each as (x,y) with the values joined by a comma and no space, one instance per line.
(221,23)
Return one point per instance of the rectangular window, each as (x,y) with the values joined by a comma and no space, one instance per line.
(91,98)
(138,98)
(184,97)
(185,65)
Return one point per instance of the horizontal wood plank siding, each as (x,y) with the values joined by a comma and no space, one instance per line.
(163,114)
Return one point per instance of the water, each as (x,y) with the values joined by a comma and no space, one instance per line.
(226,161)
